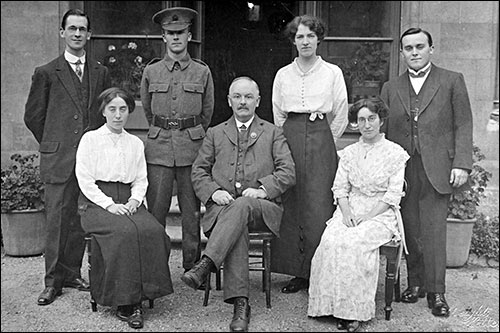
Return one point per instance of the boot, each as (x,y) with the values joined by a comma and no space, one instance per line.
(241,316)
(198,274)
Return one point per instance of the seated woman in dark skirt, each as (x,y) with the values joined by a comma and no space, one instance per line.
(130,249)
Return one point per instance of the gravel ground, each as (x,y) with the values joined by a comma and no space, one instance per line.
(472,293)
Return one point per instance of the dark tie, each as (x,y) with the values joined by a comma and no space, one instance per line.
(78,70)
(419,73)
(242,135)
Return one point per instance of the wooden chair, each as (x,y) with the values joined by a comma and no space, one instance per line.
(392,251)
(88,244)
(263,264)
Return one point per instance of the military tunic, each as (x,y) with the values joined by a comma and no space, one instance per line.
(176,90)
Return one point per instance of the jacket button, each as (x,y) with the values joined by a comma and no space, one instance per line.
(407,134)
(75,116)
(76,131)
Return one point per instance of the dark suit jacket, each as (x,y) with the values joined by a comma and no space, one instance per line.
(444,124)
(268,162)
(55,117)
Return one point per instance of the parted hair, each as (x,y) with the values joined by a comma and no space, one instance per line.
(111,93)
(374,104)
(74,12)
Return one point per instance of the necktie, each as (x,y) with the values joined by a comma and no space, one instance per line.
(242,135)
(78,69)
(419,73)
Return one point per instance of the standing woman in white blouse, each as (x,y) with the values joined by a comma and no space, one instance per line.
(130,248)
(310,102)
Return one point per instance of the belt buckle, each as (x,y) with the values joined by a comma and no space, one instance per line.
(173,123)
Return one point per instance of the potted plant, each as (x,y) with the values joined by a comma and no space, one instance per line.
(463,213)
(22,207)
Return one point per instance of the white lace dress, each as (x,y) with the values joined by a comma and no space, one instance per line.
(345,266)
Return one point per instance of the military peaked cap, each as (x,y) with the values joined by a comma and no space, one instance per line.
(175,18)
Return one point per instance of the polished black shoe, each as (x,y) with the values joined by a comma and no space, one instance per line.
(48,295)
(438,304)
(295,285)
(198,274)
(78,283)
(241,315)
(202,285)
(412,294)
(136,319)
(124,311)
(341,324)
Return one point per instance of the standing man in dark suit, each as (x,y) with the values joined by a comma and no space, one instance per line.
(242,169)
(430,116)
(61,106)
(177,94)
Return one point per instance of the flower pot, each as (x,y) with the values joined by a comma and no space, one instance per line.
(23,232)
(458,239)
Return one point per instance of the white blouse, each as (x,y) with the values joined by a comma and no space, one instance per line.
(320,90)
(109,157)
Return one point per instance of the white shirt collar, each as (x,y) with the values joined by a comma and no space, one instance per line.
(72,58)
(422,70)
(247,124)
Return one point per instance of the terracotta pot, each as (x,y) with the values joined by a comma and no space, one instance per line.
(23,232)
(458,240)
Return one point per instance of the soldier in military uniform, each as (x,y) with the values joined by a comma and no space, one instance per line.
(177,94)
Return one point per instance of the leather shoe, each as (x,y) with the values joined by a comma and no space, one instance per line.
(412,294)
(295,285)
(77,283)
(48,295)
(341,324)
(438,304)
(202,285)
(241,315)
(136,319)
(124,311)
(198,274)
(353,326)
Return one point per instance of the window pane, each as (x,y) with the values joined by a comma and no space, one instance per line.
(124,17)
(126,60)
(365,66)
(357,18)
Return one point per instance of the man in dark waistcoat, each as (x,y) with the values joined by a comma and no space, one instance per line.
(242,169)
(61,106)
(430,116)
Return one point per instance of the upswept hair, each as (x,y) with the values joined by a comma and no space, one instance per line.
(374,104)
(314,23)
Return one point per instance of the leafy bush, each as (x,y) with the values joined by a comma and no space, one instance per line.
(22,187)
(485,237)
(463,204)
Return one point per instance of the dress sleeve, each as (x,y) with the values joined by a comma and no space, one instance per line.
(341,185)
(278,114)
(396,178)
(140,183)
(86,162)
(340,106)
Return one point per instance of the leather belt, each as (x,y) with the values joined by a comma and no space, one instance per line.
(175,123)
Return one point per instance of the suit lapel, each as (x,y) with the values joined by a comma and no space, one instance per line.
(430,88)
(404,91)
(255,131)
(231,131)
(93,67)
(64,74)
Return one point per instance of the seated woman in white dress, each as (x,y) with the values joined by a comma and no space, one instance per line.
(368,187)
(130,249)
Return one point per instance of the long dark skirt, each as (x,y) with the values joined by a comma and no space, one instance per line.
(129,253)
(309,204)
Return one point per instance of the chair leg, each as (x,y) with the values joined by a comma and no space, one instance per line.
(218,285)
(266,259)
(151,303)
(207,290)
(88,242)
(389,284)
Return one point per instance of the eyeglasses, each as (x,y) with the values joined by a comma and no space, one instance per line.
(371,119)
